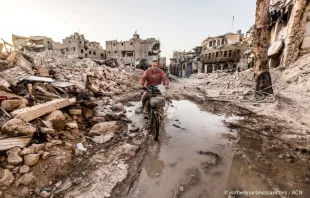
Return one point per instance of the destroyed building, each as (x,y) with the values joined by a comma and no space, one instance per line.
(223,52)
(183,64)
(77,46)
(134,50)
(290,31)
(32,43)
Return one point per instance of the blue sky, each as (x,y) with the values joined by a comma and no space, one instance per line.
(179,24)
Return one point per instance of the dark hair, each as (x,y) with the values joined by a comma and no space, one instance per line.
(155,61)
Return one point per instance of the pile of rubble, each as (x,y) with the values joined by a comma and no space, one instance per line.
(49,110)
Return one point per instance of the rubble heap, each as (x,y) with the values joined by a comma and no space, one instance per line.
(49,105)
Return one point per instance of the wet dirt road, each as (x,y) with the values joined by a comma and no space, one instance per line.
(192,157)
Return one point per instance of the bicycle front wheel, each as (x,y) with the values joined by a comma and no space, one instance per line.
(155,126)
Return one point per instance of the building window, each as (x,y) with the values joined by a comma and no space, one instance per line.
(221,53)
(67,49)
(131,43)
(74,49)
(209,56)
(121,59)
(82,51)
(113,44)
(213,55)
(80,41)
(89,52)
(238,52)
(210,44)
(218,42)
(225,54)
(109,52)
(217,55)
(130,54)
(48,42)
(101,55)
(115,52)
(94,53)
(214,42)
(69,41)
(230,53)
(122,44)
(223,41)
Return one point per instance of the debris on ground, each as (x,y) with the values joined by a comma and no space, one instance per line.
(53,110)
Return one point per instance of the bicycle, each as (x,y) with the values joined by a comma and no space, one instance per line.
(155,102)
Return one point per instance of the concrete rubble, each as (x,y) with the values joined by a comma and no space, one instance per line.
(53,109)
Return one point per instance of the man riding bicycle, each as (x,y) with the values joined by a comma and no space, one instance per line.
(152,76)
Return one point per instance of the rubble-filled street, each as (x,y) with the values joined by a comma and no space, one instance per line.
(232,115)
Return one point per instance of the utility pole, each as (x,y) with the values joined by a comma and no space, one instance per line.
(260,48)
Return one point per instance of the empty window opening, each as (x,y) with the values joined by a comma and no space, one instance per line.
(82,51)
(69,41)
(209,56)
(214,42)
(210,44)
(217,55)
(94,53)
(109,52)
(113,44)
(48,42)
(130,54)
(229,55)
(131,43)
(115,52)
(225,54)
(221,53)
(101,55)
(67,49)
(218,42)
(80,41)
(89,52)
(122,44)
(73,48)
(223,41)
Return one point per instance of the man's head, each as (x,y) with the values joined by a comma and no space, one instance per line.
(155,65)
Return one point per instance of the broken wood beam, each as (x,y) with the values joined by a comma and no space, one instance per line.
(30,113)
(8,143)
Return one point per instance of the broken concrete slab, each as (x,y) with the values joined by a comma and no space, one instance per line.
(57,118)
(39,79)
(31,113)
(14,75)
(8,143)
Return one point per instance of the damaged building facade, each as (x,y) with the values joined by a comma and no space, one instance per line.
(225,53)
(133,51)
(289,32)
(33,43)
(183,64)
(77,46)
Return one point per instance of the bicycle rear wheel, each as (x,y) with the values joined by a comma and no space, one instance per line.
(155,126)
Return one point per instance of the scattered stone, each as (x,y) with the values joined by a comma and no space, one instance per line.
(75,111)
(31,159)
(6,178)
(103,128)
(87,113)
(177,126)
(57,118)
(56,142)
(45,194)
(14,156)
(134,130)
(27,179)
(46,130)
(24,169)
(15,170)
(72,125)
(11,105)
(10,167)
(17,127)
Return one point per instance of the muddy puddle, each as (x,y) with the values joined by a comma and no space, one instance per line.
(192,157)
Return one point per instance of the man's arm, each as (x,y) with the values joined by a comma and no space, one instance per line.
(164,78)
(143,79)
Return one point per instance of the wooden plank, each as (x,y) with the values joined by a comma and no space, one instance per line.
(30,113)
(8,143)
